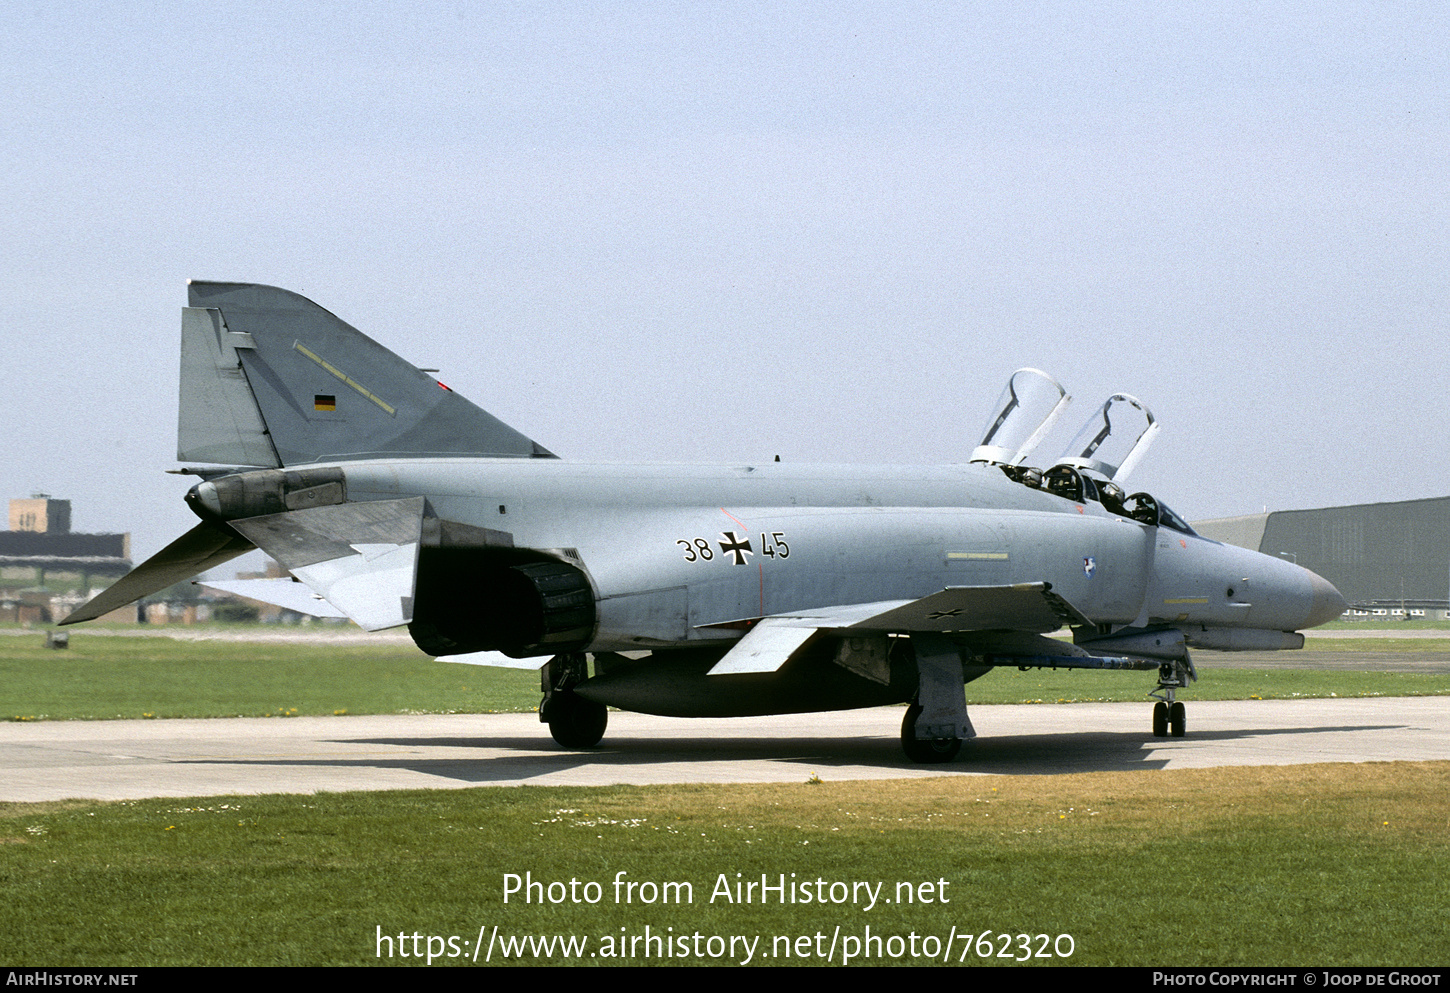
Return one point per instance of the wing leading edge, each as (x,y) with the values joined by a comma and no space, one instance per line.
(1023,607)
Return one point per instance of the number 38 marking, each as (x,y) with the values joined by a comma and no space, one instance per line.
(700,550)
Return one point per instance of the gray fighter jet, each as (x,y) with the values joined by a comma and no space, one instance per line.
(692,590)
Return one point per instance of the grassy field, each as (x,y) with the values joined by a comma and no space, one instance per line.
(1323,865)
(102,677)
(1386,623)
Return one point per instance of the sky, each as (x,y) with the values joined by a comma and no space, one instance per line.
(722,232)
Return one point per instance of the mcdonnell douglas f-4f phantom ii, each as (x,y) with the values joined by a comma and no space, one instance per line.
(690,590)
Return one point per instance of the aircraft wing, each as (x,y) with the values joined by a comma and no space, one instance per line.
(1024,607)
(360,557)
(1020,607)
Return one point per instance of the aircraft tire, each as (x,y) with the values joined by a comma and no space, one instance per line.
(925,751)
(1160,719)
(1177,720)
(577,723)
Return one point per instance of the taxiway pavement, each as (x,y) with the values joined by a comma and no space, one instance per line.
(119,760)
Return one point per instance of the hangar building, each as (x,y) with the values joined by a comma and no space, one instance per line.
(1375,553)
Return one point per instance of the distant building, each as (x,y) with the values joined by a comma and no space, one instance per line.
(40,513)
(43,566)
(1390,558)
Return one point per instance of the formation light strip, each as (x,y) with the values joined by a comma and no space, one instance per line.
(343,376)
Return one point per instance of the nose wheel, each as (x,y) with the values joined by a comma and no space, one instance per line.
(1170,719)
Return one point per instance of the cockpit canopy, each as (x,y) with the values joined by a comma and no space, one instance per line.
(1026,411)
(1072,484)
(1107,447)
(1114,438)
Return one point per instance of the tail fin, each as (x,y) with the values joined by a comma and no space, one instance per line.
(268,378)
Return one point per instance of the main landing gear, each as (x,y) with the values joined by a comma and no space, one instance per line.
(573,721)
(1169,717)
(936,722)
(925,750)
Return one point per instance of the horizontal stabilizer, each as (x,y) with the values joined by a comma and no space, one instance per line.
(203,547)
(360,557)
(497,659)
(280,592)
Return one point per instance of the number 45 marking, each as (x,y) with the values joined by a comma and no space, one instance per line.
(776,549)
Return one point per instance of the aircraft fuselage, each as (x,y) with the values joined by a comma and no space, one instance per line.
(673,551)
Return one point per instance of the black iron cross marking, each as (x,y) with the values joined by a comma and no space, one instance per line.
(937,615)
(739,547)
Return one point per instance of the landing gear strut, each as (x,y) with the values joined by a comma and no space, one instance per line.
(1169,716)
(936,722)
(573,721)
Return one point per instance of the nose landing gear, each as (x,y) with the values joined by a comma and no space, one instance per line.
(1169,716)
(1169,720)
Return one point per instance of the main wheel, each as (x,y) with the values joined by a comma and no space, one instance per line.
(1160,719)
(1177,720)
(927,750)
(575,722)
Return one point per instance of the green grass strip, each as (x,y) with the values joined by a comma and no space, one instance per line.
(1297,865)
(100,678)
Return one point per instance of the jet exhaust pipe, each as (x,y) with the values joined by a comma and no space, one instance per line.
(481,602)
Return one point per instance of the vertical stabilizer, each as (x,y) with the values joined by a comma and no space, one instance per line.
(270,378)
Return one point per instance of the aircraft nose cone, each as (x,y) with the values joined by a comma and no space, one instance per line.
(1327,603)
